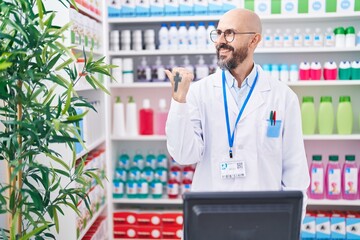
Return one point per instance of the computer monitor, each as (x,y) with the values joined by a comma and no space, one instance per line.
(274,215)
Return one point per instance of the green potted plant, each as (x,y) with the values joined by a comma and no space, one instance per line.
(38,111)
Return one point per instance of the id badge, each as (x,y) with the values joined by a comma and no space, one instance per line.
(232,169)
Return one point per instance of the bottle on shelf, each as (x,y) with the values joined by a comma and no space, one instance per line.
(183,37)
(187,64)
(308,116)
(124,161)
(160,118)
(138,161)
(146,119)
(144,71)
(173,37)
(288,39)
(317,177)
(298,38)
(267,70)
(164,37)
(344,70)
(284,73)
(326,116)
(118,188)
(308,39)
(173,188)
(209,29)
(131,187)
(355,70)
(131,117)
(213,66)
(151,161)
(315,71)
(275,74)
(201,37)
(304,71)
(201,69)
(333,178)
(350,178)
(294,73)
(344,116)
(156,188)
(350,37)
(268,38)
(358,39)
(118,118)
(142,187)
(278,39)
(339,37)
(192,37)
(158,71)
(330,70)
(329,39)
(318,38)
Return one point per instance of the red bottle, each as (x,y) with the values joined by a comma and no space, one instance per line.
(146,120)
(173,188)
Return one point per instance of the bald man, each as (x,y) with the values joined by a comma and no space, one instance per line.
(240,128)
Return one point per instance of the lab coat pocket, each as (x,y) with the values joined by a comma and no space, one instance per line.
(273,129)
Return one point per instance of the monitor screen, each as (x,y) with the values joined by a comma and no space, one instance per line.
(242,215)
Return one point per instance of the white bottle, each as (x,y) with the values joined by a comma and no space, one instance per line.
(275,74)
(213,66)
(201,36)
(308,40)
(131,118)
(118,118)
(192,37)
(268,38)
(294,73)
(183,37)
(350,38)
(128,70)
(171,65)
(173,37)
(267,70)
(158,71)
(209,29)
(163,37)
(278,38)
(288,39)
(329,39)
(339,37)
(358,39)
(298,38)
(187,64)
(318,38)
(201,69)
(284,73)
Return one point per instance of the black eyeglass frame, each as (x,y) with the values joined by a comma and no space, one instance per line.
(226,33)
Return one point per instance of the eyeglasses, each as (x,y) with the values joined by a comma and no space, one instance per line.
(229,35)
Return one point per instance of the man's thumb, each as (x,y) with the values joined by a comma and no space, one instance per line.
(168,74)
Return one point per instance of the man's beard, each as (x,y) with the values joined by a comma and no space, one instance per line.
(237,57)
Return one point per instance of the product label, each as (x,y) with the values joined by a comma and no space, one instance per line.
(173,189)
(156,188)
(118,187)
(162,175)
(143,188)
(345,5)
(351,180)
(185,188)
(317,180)
(176,175)
(334,177)
(131,188)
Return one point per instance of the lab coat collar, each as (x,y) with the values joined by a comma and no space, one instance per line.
(256,99)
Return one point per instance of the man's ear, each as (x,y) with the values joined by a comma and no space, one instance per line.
(255,40)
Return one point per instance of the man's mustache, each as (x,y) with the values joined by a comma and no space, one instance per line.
(224,46)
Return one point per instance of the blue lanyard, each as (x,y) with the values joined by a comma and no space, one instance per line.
(231,135)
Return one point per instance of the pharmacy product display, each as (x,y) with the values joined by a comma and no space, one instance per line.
(298,38)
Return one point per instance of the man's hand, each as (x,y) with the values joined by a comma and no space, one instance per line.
(180,79)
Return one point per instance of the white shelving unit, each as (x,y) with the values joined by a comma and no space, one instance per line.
(315,144)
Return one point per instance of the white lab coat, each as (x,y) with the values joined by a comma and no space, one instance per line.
(196,133)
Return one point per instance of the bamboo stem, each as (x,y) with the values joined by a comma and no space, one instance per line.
(20,181)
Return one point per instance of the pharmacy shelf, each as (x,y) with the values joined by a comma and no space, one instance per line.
(79,49)
(301,83)
(269,18)
(150,201)
(260,50)
(139,138)
(327,202)
(142,85)
(334,137)
(179,201)
(311,83)
(91,222)
(89,13)
(91,147)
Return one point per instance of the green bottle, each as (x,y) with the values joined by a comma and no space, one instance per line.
(344,116)
(308,115)
(326,115)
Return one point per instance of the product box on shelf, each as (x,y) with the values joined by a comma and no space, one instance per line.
(125,231)
(149,218)
(114,8)
(353,225)
(125,217)
(172,232)
(149,232)
(338,225)
(172,219)
(322,225)
(308,227)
